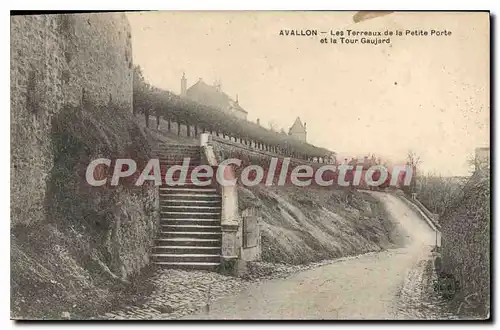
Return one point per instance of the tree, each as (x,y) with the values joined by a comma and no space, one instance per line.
(184,111)
(140,90)
(272,126)
(138,77)
(437,192)
(412,160)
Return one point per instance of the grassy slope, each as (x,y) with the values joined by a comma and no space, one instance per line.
(301,225)
(93,243)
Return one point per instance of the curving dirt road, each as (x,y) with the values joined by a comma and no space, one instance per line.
(362,287)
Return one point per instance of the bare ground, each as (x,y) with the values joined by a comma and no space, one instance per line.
(370,286)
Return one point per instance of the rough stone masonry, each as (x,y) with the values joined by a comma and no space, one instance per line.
(59,60)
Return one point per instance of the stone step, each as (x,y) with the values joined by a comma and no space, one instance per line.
(213,266)
(179,216)
(166,162)
(179,157)
(182,241)
(182,150)
(207,219)
(170,162)
(169,201)
(191,205)
(163,145)
(188,183)
(189,215)
(187,173)
(193,156)
(189,169)
(193,228)
(164,168)
(177,153)
(190,160)
(190,234)
(168,257)
(176,249)
(186,190)
(190,222)
(169,213)
(170,207)
(186,209)
(174,179)
(190,196)
(201,193)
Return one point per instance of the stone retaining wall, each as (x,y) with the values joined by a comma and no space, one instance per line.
(57,61)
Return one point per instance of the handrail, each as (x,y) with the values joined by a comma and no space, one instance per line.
(263,152)
(229,193)
(429,219)
(426,211)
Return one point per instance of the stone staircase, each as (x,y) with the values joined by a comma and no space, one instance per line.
(190,231)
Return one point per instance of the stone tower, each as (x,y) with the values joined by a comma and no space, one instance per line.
(59,60)
(298,130)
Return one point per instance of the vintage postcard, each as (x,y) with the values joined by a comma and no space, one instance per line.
(271,165)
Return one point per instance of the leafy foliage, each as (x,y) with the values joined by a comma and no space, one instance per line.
(172,107)
(437,192)
(466,244)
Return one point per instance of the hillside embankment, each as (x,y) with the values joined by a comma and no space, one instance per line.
(466,246)
(93,241)
(303,225)
(73,246)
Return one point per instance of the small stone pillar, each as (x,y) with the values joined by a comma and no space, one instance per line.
(229,241)
(250,232)
(204,139)
(230,218)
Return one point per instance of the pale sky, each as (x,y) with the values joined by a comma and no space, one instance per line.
(429,94)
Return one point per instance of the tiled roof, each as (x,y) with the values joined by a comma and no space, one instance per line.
(212,96)
(297,126)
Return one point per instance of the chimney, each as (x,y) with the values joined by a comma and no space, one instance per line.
(183,85)
(236,98)
(305,126)
(258,121)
